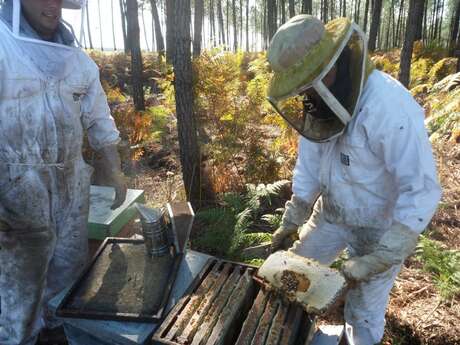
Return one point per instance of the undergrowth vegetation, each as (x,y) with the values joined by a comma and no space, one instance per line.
(241,220)
(443,264)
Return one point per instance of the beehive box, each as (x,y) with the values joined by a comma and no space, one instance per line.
(226,306)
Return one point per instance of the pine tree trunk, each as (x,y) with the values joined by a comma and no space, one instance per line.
(375,24)
(123,26)
(170,30)
(247,25)
(358,11)
(291,8)
(186,125)
(158,34)
(283,11)
(100,23)
(440,22)
(89,28)
(454,29)
(366,15)
(271,14)
(221,22)
(212,21)
(113,27)
(227,18)
(136,55)
(344,8)
(241,24)
(307,6)
(198,27)
(419,29)
(144,27)
(413,17)
(235,26)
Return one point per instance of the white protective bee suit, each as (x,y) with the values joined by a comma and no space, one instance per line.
(373,185)
(49,97)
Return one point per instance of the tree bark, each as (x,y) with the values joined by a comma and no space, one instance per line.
(221,22)
(186,126)
(113,26)
(212,20)
(123,25)
(89,28)
(283,11)
(413,17)
(198,26)
(247,25)
(235,26)
(144,28)
(136,55)
(100,23)
(271,14)
(291,8)
(366,15)
(158,34)
(170,30)
(241,24)
(375,24)
(227,18)
(307,6)
(454,29)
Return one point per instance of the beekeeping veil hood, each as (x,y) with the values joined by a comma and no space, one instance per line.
(53,57)
(303,54)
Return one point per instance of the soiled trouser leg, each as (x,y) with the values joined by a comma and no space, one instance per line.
(366,303)
(24,260)
(71,250)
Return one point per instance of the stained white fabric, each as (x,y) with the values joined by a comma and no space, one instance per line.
(381,171)
(44,182)
(365,304)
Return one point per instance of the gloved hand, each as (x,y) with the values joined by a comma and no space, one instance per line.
(295,213)
(111,165)
(394,247)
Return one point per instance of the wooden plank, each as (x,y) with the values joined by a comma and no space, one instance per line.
(176,307)
(265,322)
(251,322)
(277,325)
(292,325)
(231,314)
(182,216)
(218,305)
(201,312)
(183,318)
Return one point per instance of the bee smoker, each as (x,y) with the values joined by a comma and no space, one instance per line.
(154,230)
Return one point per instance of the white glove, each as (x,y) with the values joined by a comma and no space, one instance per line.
(394,247)
(295,213)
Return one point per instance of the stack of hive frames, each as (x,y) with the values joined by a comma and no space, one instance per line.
(272,321)
(225,306)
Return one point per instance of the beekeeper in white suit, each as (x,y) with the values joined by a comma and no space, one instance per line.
(365,178)
(50,94)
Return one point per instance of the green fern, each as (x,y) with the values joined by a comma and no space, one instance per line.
(444,265)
